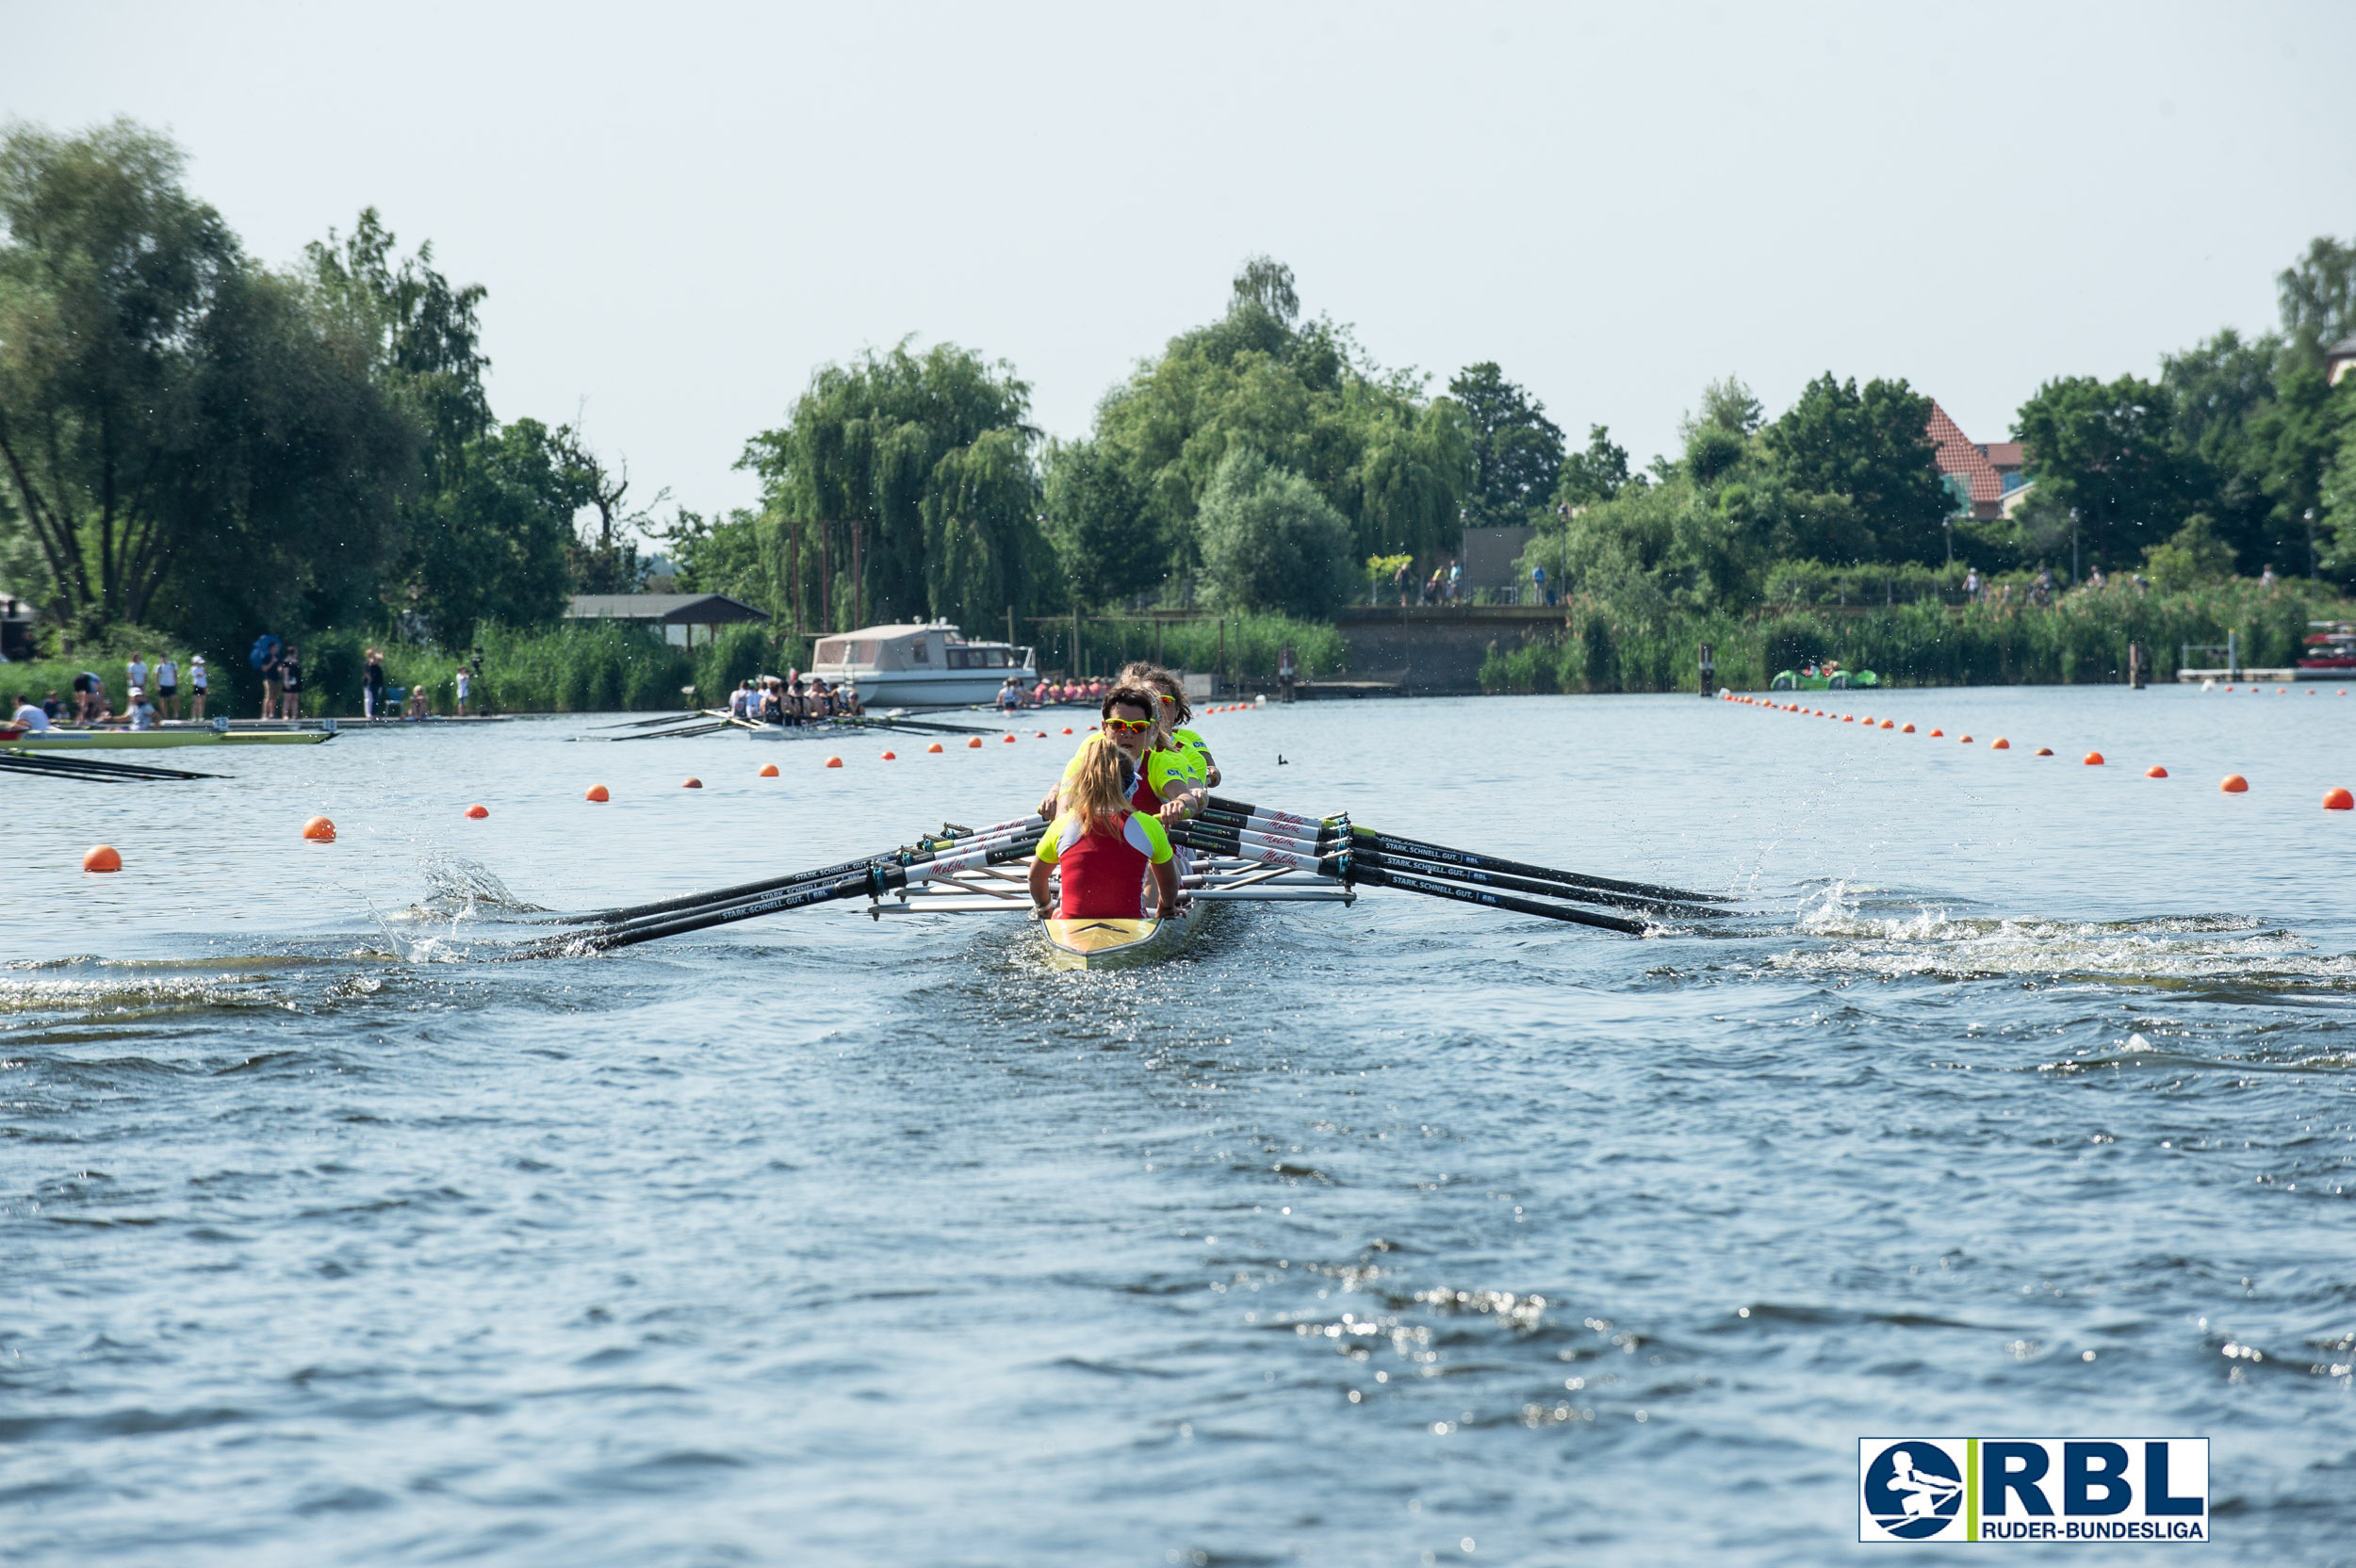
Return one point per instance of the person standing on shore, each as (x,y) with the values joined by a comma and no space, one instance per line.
(465,679)
(138,669)
(372,684)
(197,686)
(291,680)
(168,687)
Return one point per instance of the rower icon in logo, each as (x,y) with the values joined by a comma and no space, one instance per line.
(1913,1490)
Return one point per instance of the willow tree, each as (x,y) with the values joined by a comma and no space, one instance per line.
(903,487)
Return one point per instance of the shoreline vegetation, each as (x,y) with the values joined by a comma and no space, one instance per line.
(198,448)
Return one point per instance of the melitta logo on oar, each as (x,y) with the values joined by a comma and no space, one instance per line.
(1946,1489)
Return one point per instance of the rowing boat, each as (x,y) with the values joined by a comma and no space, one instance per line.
(1004,889)
(1119,943)
(156,739)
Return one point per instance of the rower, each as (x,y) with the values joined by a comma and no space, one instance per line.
(1175,712)
(1104,848)
(1162,778)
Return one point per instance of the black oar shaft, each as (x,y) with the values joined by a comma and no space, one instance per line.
(1391,843)
(911,855)
(1377,877)
(1228,841)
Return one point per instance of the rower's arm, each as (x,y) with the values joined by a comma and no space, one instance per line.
(1041,870)
(1165,888)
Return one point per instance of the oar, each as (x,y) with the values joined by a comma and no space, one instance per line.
(1243,842)
(89,768)
(1372,877)
(924,849)
(876,879)
(1394,844)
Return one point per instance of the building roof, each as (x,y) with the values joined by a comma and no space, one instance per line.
(2003,454)
(663,609)
(1957,455)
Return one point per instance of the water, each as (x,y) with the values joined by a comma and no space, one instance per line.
(1395,1235)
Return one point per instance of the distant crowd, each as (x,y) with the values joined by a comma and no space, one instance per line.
(152,693)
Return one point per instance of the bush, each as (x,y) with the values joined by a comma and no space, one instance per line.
(1272,542)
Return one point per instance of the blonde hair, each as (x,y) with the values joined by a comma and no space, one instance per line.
(1095,793)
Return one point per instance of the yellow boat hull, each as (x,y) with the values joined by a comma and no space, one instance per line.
(1117,944)
(157,739)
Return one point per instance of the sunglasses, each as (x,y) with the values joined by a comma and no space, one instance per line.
(1128,727)
(1166,697)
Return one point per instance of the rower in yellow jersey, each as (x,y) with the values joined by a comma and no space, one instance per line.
(1175,712)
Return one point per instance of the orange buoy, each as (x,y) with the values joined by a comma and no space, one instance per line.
(2000,744)
(597,791)
(834,762)
(102,858)
(1939,734)
(1891,724)
(1009,740)
(889,757)
(2094,758)
(2228,688)
(1905,729)
(2045,751)
(768,770)
(935,746)
(1848,718)
(974,745)
(1040,736)
(1963,739)
(2337,799)
(2235,785)
(474,813)
(2281,690)
(320,830)
(690,783)
(1067,729)
(2155,772)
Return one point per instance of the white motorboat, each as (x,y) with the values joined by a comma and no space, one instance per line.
(920,666)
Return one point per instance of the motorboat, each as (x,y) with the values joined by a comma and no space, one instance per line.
(929,665)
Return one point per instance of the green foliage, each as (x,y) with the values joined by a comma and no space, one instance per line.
(2104,451)
(1245,646)
(1396,466)
(925,458)
(2081,640)
(1873,450)
(2318,299)
(2192,556)
(1107,545)
(164,402)
(724,555)
(493,546)
(1595,474)
(1272,542)
(1516,450)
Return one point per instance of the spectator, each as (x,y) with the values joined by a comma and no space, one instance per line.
(198,684)
(418,707)
(90,696)
(138,668)
(373,683)
(142,713)
(168,687)
(52,707)
(465,679)
(29,717)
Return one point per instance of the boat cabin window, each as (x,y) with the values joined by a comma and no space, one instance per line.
(829,652)
(921,650)
(977,659)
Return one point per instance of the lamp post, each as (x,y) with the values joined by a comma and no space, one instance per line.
(2073,544)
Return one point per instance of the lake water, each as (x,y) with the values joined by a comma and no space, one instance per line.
(2019,1101)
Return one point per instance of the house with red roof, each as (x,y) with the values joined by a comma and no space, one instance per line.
(1985,477)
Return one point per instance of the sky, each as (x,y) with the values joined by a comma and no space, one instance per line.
(681,211)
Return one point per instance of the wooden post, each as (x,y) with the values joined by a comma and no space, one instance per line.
(1710,673)
(825,583)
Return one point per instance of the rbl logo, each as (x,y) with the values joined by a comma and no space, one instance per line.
(2033,1488)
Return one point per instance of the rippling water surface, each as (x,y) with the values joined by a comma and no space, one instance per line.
(2017,1102)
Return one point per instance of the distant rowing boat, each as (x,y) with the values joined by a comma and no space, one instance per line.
(155,740)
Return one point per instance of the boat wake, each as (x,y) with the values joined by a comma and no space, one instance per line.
(1866,933)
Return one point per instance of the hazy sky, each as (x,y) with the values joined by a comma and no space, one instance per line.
(681,210)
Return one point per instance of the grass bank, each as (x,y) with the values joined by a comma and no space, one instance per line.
(2082,639)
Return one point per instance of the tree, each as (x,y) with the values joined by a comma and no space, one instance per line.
(493,545)
(2318,300)
(108,275)
(189,438)
(1097,521)
(1396,464)
(892,446)
(1272,542)
(2104,451)
(1875,448)
(2191,556)
(1595,474)
(1516,450)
